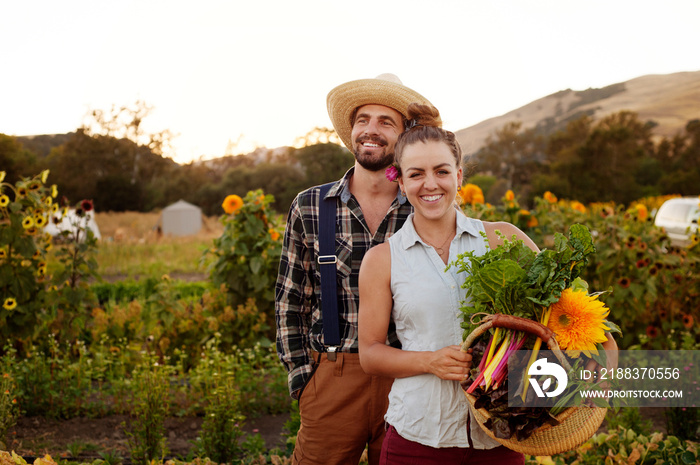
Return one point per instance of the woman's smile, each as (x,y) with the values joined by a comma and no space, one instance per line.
(432,198)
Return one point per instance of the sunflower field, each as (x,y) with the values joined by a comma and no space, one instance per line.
(74,346)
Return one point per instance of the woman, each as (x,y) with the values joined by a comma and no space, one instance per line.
(404,279)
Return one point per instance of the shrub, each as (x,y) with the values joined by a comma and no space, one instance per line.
(627,446)
(70,297)
(25,209)
(146,429)
(221,428)
(246,255)
(9,411)
(653,288)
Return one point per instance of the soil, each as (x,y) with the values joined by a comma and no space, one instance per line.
(37,436)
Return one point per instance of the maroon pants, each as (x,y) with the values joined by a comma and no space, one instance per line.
(400,451)
(342,412)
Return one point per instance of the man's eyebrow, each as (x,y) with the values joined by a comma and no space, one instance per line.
(380,117)
(388,117)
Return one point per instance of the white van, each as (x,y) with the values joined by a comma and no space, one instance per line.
(679,217)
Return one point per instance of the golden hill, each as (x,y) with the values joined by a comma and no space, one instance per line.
(669,100)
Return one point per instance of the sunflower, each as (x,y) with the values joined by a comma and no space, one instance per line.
(4,200)
(652,331)
(10,303)
(27,222)
(471,194)
(232,203)
(86,205)
(688,321)
(578,321)
(510,195)
(642,212)
(549,197)
(578,206)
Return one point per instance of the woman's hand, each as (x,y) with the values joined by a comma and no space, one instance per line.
(450,363)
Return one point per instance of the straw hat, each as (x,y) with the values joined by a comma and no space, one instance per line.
(385,89)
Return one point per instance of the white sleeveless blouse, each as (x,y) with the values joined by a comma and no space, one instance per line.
(424,408)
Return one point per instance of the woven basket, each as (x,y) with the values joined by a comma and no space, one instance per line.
(577,424)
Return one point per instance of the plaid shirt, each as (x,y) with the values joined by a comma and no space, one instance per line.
(298,289)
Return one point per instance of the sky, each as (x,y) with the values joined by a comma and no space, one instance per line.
(257,72)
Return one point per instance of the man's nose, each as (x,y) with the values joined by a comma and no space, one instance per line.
(372,127)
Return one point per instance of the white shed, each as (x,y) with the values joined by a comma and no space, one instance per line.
(181,219)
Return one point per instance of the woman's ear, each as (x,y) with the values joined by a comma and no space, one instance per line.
(460,178)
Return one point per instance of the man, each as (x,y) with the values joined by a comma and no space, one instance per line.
(342,409)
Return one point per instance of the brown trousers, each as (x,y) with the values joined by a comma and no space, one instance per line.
(342,411)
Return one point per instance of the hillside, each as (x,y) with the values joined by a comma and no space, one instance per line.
(669,100)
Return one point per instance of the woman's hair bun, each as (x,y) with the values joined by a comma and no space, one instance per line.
(424,115)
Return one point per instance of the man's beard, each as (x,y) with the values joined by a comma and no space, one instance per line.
(369,161)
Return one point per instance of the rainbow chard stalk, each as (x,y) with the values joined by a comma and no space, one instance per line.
(486,359)
(493,370)
(535,350)
(499,375)
(494,363)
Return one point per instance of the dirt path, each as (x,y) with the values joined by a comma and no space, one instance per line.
(37,436)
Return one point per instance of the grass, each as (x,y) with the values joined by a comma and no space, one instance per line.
(131,248)
(169,256)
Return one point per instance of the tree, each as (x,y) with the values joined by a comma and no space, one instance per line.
(323,163)
(611,160)
(318,135)
(513,155)
(682,159)
(15,160)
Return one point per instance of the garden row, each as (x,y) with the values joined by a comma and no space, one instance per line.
(77,347)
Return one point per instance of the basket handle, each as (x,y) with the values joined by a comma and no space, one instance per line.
(516,323)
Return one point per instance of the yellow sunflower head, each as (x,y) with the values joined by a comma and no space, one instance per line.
(578,321)
(549,197)
(232,203)
(471,194)
(578,206)
(10,303)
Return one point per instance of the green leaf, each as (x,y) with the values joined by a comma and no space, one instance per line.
(256,264)
(497,282)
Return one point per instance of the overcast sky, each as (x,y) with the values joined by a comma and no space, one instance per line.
(215,71)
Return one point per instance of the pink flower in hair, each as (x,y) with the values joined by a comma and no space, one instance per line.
(392,173)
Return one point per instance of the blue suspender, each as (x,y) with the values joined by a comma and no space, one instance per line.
(327,263)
